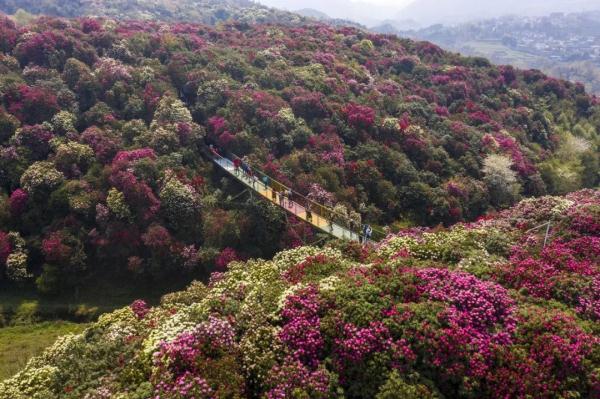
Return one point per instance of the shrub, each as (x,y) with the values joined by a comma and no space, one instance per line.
(32,104)
(41,177)
(359,116)
(27,313)
(36,139)
(117,205)
(501,180)
(180,202)
(73,158)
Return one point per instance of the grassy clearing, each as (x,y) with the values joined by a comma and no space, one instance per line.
(19,343)
(24,305)
(30,322)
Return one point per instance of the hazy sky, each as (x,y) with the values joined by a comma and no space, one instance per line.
(397,3)
(292,3)
(364,11)
(371,12)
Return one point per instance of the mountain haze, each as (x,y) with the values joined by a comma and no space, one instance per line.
(456,11)
(362,12)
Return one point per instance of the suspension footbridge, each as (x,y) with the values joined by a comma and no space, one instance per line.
(318,215)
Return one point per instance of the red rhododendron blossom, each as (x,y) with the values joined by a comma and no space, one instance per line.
(32,104)
(5,247)
(134,155)
(140,308)
(226,256)
(18,202)
(54,249)
(359,116)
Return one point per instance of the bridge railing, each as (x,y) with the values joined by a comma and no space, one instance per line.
(298,203)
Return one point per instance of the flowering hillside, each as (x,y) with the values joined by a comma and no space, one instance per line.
(198,11)
(481,310)
(101,123)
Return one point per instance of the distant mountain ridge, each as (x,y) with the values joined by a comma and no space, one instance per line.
(360,11)
(323,17)
(458,11)
(312,13)
(392,26)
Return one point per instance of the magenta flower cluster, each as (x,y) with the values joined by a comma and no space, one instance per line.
(186,386)
(218,333)
(589,301)
(225,257)
(480,316)
(356,343)
(484,305)
(18,202)
(179,364)
(359,116)
(294,379)
(301,330)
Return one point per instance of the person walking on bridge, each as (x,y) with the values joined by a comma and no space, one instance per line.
(282,194)
(214,151)
(368,233)
(246,168)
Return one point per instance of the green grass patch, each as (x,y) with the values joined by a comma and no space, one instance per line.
(24,305)
(19,343)
(30,322)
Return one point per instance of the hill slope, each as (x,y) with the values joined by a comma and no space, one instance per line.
(199,11)
(102,123)
(563,45)
(488,310)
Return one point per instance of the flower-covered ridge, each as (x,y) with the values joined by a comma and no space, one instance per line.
(452,312)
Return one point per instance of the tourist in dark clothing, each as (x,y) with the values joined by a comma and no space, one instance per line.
(282,198)
(245,168)
(368,233)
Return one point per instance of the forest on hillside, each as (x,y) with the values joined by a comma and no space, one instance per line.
(199,11)
(102,124)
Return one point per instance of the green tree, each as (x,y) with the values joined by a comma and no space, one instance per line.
(397,388)
(180,203)
(41,177)
(501,180)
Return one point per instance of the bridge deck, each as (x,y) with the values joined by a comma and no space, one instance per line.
(255,184)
